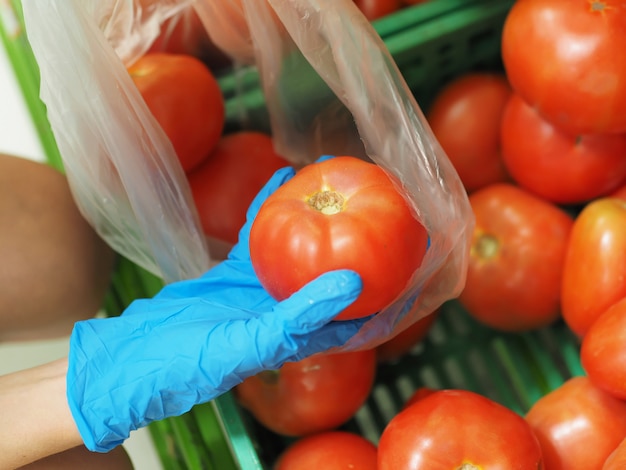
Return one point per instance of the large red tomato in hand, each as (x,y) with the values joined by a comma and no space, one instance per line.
(595,263)
(560,167)
(340,213)
(457,429)
(578,425)
(603,351)
(564,57)
(316,394)
(330,450)
(465,117)
(617,459)
(516,259)
(185,99)
(224,184)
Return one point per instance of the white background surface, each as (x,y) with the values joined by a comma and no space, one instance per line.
(18,137)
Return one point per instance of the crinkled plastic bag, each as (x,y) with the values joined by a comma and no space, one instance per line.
(330,86)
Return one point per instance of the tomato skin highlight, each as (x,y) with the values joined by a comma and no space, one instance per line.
(447,429)
(316,394)
(185,99)
(595,263)
(559,167)
(465,118)
(516,260)
(371,230)
(564,57)
(578,425)
(331,450)
(603,350)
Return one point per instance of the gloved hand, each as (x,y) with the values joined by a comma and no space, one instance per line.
(197,339)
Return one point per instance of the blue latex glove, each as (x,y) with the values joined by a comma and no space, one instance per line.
(197,339)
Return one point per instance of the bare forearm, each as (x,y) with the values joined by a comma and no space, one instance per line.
(35,419)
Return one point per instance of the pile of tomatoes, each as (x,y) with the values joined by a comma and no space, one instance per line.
(541,149)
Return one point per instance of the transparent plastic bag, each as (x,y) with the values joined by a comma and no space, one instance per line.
(330,86)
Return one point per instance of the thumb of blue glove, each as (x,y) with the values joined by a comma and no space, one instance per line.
(163,356)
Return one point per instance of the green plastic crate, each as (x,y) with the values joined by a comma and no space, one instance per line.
(431,44)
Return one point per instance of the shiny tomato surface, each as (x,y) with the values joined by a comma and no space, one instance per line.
(565,58)
(595,263)
(340,213)
(578,425)
(331,450)
(603,351)
(457,429)
(313,395)
(185,99)
(516,259)
(465,118)
(560,167)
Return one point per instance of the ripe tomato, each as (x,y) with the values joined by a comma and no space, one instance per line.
(617,459)
(374,9)
(185,99)
(418,395)
(224,184)
(564,57)
(338,213)
(603,350)
(619,192)
(557,166)
(331,450)
(316,394)
(595,263)
(578,425)
(396,347)
(457,429)
(465,117)
(516,259)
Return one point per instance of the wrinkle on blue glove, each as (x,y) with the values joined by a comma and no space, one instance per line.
(168,355)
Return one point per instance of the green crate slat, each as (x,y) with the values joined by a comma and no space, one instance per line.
(20,56)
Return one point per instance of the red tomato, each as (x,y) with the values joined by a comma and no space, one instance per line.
(557,166)
(224,184)
(595,263)
(185,99)
(341,213)
(396,347)
(316,394)
(619,192)
(457,429)
(465,117)
(516,259)
(578,425)
(418,394)
(603,350)
(374,9)
(331,450)
(564,57)
(617,459)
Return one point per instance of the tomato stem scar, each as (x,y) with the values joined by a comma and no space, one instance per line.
(327,202)
(468,466)
(269,376)
(486,246)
